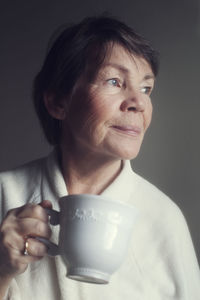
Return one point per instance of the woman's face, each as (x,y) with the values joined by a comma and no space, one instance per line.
(110,115)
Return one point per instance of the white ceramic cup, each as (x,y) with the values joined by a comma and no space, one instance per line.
(94,235)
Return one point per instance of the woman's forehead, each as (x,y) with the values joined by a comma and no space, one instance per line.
(119,58)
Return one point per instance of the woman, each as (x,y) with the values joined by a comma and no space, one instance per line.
(92,97)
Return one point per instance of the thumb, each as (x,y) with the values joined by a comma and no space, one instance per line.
(46,204)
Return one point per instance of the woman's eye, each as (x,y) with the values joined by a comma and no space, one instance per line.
(114,82)
(146,90)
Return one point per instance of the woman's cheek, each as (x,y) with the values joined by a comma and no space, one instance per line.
(148,116)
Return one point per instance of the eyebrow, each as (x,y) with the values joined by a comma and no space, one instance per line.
(117,66)
(149,76)
(125,70)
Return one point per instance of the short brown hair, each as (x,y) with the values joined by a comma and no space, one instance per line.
(77,47)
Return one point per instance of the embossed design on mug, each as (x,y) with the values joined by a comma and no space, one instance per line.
(96,216)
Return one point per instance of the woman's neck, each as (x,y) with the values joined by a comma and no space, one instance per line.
(88,174)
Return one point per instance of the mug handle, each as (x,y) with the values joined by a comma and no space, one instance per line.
(53,249)
(54,216)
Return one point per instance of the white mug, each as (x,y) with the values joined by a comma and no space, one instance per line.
(94,235)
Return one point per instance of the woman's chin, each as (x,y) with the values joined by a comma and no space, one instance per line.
(126,150)
(127,154)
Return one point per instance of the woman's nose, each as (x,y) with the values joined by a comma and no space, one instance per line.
(133,101)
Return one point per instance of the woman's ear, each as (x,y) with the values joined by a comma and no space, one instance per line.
(55,107)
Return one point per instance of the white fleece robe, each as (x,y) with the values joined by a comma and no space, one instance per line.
(160,265)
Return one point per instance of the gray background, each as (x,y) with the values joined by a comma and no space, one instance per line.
(170,154)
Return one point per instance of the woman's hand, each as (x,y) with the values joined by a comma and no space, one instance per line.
(20,225)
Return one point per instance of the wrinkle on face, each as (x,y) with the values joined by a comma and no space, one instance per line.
(96,106)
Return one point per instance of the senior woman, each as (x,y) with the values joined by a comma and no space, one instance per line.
(92,97)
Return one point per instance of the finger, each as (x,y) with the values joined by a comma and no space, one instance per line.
(19,262)
(33,227)
(12,241)
(46,204)
(12,258)
(14,212)
(33,211)
(35,248)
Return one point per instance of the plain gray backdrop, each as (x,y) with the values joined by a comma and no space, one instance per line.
(169,157)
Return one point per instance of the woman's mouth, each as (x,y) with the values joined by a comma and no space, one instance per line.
(134,131)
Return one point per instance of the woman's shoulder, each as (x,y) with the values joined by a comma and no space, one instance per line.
(145,186)
(23,172)
(21,184)
(154,202)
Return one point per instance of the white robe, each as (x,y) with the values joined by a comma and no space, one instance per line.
(161,263)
